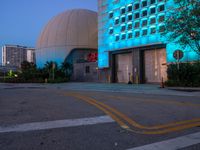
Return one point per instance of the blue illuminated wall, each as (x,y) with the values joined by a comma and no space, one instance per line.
(130,23)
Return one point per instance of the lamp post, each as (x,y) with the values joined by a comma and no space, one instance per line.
(4,70)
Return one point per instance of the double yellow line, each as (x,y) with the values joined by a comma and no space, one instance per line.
(131,125)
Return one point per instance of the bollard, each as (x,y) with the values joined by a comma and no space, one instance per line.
(162,85)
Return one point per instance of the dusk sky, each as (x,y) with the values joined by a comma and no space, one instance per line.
(23,20)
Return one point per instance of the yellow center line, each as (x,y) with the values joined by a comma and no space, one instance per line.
(159,101)
(122,124)
(159,129)
(137,125)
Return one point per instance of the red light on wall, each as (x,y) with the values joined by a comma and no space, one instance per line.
(92,57)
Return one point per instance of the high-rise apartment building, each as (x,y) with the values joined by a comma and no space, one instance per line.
(14,55)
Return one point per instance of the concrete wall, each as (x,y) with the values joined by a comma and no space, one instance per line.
(85,72)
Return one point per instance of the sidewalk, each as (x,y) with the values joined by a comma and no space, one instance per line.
(111,87)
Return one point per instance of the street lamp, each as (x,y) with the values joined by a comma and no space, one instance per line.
(4,70)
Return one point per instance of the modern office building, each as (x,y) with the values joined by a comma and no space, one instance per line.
(14,55)
(131,47)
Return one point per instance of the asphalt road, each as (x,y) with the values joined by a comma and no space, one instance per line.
(92,119)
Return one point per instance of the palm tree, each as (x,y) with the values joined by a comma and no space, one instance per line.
(66,68)
(51,67)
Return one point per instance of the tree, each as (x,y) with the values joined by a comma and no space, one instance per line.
(183,24)
(51,67)
(66,68)
(29,70)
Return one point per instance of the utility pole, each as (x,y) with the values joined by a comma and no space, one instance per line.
(53,67)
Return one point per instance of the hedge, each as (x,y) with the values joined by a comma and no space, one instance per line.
(187,75)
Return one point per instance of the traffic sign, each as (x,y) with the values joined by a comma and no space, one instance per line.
(178,54)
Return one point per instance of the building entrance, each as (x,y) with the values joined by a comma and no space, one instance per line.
(155,65)
(124,67)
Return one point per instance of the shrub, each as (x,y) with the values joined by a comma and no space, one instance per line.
(187,75)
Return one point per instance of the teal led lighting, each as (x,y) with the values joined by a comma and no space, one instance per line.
(147,23)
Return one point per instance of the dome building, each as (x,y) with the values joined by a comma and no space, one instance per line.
(70,36)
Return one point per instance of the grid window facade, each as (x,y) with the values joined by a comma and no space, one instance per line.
(144,3)
(130,17)
(144,32)
(137,15)
(137,24)
(136,6)
(161,18)
(137,34)
(152,10)
(152,20)
(153,30)
(130,35)
(144,13)
(130,26)
(130,8)
(111,30)
(123,28)
(123,37)
(130,20)
(117,21)
(144,23)
(111,15)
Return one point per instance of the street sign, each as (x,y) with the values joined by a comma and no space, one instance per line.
(178,54)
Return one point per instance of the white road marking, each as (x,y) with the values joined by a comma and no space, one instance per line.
(56,124)
(172,144)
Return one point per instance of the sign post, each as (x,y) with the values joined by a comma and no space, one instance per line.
(178,55)
(53,67)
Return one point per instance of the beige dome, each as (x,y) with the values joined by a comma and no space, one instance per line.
(69,30)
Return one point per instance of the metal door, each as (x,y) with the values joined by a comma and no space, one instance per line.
(124,67)
(155,65)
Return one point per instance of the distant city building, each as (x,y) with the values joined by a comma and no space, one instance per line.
(14,55)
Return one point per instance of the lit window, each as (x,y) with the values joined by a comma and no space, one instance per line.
(153,30)
(123,10)
(136,6)
(162,28)
(130,35)
(137,25)
(123,36)
(161,18)
(130,17)
(144,23)
(161,8)
(123,19)
(152,20)
(117,21)
(110,14)
(144,13)
(137,15)
(144,32)
(123,28)
(117,38)
(137,33)
(130,8)
(153,1)
(130,26)
(144,3)
(111,31)
(153,10)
